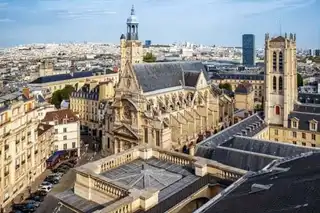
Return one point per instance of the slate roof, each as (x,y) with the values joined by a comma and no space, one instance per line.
(295,190)
(309,98)
(278,39)
(305,113)
(240,76)
(238,128)
(265,147)
(86,93)
(68,76)
(235,146)
(156,76)
(244,88)
(80,204)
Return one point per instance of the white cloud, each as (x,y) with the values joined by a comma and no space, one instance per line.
(5,20)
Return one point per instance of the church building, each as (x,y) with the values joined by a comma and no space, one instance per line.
(170,105)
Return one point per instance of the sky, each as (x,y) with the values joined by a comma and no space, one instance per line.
(211,22)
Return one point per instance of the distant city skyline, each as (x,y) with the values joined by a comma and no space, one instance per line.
(213,22)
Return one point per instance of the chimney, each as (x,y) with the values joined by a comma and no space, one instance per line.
(26,92)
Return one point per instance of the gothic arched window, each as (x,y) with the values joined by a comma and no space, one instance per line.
(274,83)
(274,61)
(280,83)
(277,110)
(280,61)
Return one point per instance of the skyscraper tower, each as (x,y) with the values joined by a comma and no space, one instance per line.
(130,47)
(248,50)
(280,78)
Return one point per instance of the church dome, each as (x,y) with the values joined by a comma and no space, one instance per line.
(132,19)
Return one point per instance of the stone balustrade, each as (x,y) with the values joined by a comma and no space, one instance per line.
(118,159)
(108,188)
(121,206)
(174,157)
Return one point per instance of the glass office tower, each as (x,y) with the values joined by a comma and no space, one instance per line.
(248,50)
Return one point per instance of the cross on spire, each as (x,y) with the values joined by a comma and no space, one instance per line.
(132,11)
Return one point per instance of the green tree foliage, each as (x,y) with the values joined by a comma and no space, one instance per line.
(60,95)
(149,57)
(225,86)
(299,80)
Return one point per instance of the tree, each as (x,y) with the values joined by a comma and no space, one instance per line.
(299,80)
(149,58)
(60,95)
(225,86)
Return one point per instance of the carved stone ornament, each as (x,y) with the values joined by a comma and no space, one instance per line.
(127,112)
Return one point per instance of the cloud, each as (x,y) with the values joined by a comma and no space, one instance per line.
(6,20)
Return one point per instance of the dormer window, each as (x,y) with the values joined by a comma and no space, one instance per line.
(313,125)
(295,123)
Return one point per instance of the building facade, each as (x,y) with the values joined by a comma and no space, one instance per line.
(50,84)
(87,103)
(66,130)
(24,145)
(168,105)
(244,97)
(248,50)
(234,79)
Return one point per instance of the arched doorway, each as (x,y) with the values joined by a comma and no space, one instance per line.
(193,205)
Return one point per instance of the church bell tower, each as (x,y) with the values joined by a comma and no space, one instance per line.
(130,46)
(280,78)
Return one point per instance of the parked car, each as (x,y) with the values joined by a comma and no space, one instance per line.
(24,207)
(40,193)
(32,202)
(68,164)
(46,183)
(52,179)
(35,198)
(64,166)
(60,170)
(45,188)
(56,175)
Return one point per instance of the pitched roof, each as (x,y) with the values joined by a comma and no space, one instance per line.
(156,76)
(309,98)
(61,116)
(240,76)
(42,128)
(278,39)
(287,187)
(244,88)
(68,76)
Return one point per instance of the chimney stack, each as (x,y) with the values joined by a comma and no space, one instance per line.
(26,92)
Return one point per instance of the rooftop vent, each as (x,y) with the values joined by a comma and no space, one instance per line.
(259,187)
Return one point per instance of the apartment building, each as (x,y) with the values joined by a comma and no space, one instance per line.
(89,103)
(66,130)
(24,144)
(53,83)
